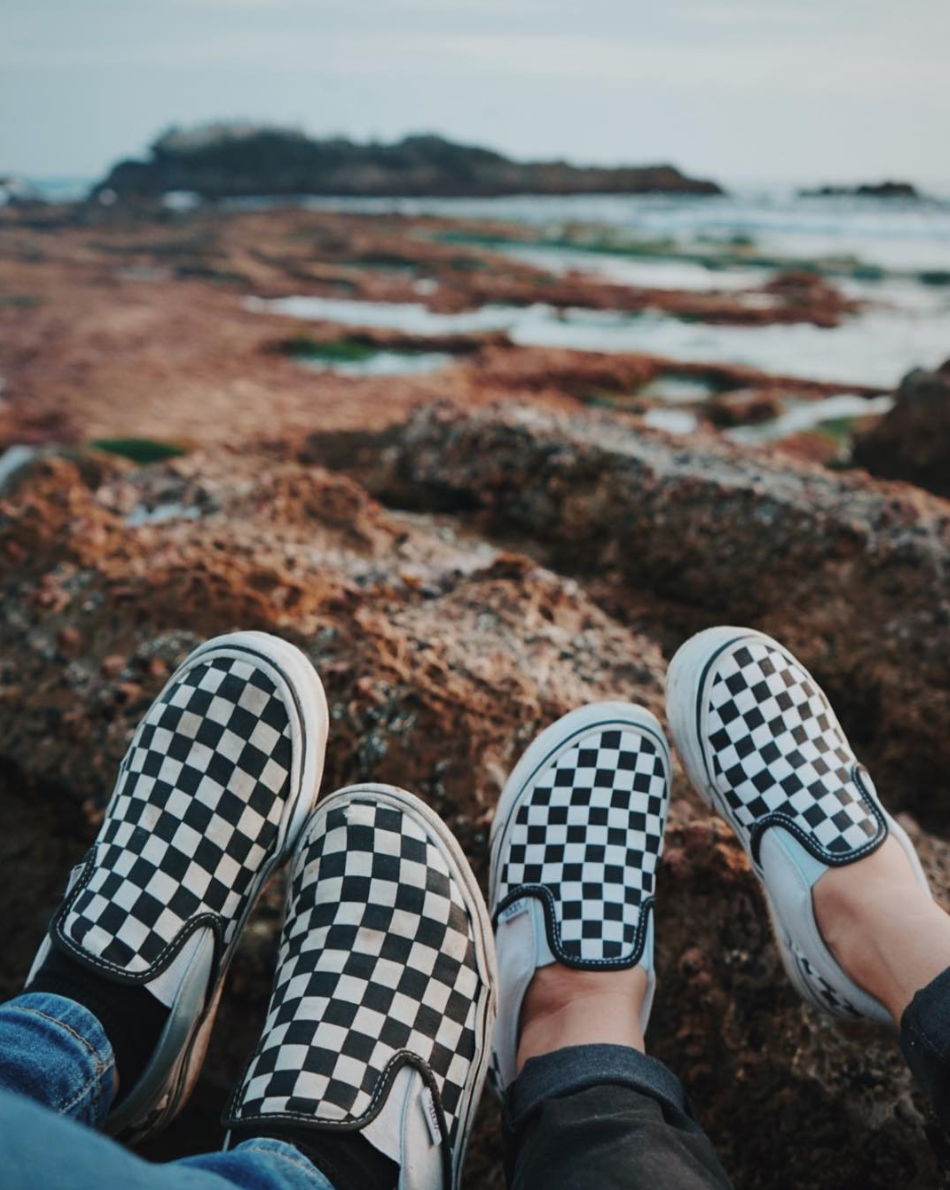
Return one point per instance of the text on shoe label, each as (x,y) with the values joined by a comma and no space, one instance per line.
(432,1117)
(515,909)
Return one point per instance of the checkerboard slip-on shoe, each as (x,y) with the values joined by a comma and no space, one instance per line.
(576,840)
(212,794)
(763,747)
(383,1004)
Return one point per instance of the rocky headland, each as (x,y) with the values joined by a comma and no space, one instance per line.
(465,553)
(228,160)
(864,190)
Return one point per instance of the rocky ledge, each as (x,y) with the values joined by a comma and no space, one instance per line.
(676,536)
(460,574)
(538,561)
(226,160)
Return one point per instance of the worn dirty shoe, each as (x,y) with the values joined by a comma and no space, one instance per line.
(212,794)
(380,1019)
(763,747)
(576,840)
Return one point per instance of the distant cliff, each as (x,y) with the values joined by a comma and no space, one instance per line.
(220,161)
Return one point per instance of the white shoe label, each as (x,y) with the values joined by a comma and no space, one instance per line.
(515,909)
(432,1116)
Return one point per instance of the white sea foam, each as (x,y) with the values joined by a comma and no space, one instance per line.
(875,348)
(806,415)
(906,324)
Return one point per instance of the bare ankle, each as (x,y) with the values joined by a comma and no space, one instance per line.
(564,1007)
(882,926)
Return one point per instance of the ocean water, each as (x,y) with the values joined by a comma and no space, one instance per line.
(894,233)
(384,363)
(894,255)
(876,250)
(874,348)
(61,189)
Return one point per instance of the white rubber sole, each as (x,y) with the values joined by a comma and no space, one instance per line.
(299,685)
(547,747)
(409,803)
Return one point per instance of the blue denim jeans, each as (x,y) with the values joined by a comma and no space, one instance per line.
(57,1080)
(57,1074)
(595,1115)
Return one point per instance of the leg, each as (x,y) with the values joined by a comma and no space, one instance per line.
(576,840)
(583,1112)
(42,1149)
(635,1133)
(857,926)
(374,1052)
(893,940)
(55,1052)
(216,785)
(883,926)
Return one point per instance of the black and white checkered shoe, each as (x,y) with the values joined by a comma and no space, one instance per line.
(576,840)
(763,747)
(212,794)
(384,999)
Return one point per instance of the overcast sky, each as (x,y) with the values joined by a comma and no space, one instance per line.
(730,89)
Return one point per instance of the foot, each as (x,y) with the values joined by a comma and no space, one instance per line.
(575,844)
(564,1007)
(883,926)
(212,793)
(762,746)
(383,1003)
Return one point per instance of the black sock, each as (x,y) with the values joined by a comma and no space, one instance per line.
(130,1016)
(347,1159)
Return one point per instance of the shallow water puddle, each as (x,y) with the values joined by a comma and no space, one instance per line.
(12,459)
(411,318)
(645,272)
(383,363)
(810,415)
(875,348)
(170,511)
(676,389)
(674,421)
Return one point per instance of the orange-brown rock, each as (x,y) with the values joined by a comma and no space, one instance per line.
(543,561)
(852,574)
(417,636)
(811,296)
(441,656)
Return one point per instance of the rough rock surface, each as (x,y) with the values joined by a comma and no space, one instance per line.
(538,561)
(852,574)
(410,631)
(912,441)
(442,655)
